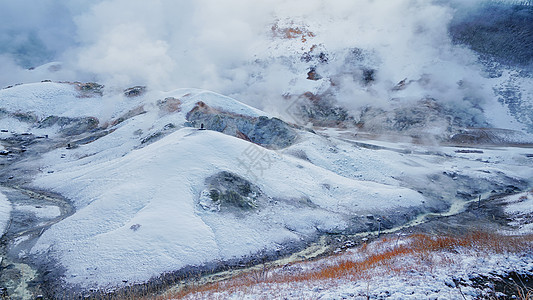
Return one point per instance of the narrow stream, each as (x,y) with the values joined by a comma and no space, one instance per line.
(33,212)
(19,276)
(323,246)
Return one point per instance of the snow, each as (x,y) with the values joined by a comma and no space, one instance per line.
(5,213)
(190,97)
(48,98)
(520,209)
(520,203)
(158,186)
(141,199)
(421,275)
(138,206)
(41,212)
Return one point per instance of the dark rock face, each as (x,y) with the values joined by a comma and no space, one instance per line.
(402,119)
(135,91)
(313,75)
(229,192)
(319,110)
(167,129)
(90,89)
(272,132)
(169,105)
(268,132)
(480,136)
(511,95)
(419,119)
(26,117)
(130,114)
(70,126)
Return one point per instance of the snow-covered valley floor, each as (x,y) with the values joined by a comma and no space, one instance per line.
(471,266)
(465,261)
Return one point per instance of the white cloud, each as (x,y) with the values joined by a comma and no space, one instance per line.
(228,46)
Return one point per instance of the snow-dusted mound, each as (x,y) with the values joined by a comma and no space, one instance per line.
(140,215)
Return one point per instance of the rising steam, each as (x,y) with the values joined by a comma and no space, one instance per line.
(251,50)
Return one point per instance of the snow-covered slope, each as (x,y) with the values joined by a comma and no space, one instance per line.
(5,210)
(520,209)
(153,195)
(139,216)
(337,118)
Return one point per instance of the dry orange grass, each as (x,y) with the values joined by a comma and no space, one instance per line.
(383,257)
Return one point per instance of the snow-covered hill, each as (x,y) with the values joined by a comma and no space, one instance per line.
(141,215)
(329,119)
(152,193)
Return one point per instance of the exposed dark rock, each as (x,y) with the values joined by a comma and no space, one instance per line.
(70,126)
(135,91)
(420,119)
(320,110)
(469,151)
(477,136)
(272,132)
(369,76)
(168,128)
(26,117)
(228,192)
(313,75)
(269,132)
(401,85)
(92,138)
(90,89)
(511,95)
(513,285)
(316,54)
(130,114)
(169,105)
